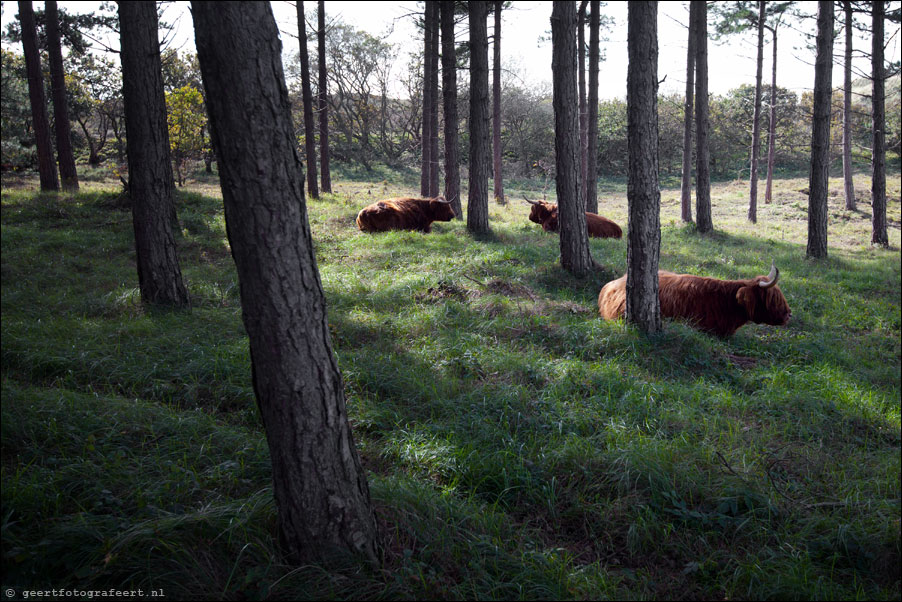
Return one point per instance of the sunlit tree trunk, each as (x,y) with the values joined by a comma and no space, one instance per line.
(309,129)
(478,201)
(702,157)
(820,133)
(592,150)
(756,121)
(426,136)
(433,99)
(68,174)
(325,177)
(686,181)
(449,98)
(772,124)
(848,187)
(878,160)
(498,188)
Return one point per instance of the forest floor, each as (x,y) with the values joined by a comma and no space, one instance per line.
(517,446)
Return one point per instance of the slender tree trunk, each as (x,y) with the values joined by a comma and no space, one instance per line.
(592,152)
(756,123)
(40,122)
(496,108)
(643,194)
(325,178)
(772,124)
(150,184)
(686,183)
(320,488)
(307,94)
(478,201)
(820,133)
(583,104)
(433,99)
(426,137)
(574,237)
(878,160)
(449,97)
(848,187)
(702,156)
(68,174)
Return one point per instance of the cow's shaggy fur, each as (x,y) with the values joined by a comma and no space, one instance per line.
(404,214)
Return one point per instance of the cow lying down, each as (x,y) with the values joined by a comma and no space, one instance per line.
(720,307)
(545,214)
(404,214)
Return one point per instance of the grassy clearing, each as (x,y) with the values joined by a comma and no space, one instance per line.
(517,446)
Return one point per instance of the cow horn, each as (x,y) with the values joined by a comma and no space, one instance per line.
(530,202)
(771,278)
(441,199)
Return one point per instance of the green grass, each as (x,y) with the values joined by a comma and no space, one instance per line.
(517,446)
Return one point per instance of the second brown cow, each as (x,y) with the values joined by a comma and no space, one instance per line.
(545,214)
(404,213)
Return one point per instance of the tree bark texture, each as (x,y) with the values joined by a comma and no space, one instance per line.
(772,123)
(756,121)
(686,181)
(68,173)
(702,152)
(820,133)
(643,194)
(307,94)
(574,237)
(592,151)
(478,201)
(433,24)
(498,188)
(325,177)
(40,122)
(449,99)
(848,186)
(321,492)
(583,104)
(150,184)
(878,107)
(426,134)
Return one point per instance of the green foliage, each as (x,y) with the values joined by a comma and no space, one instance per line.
(187,119)
(15,113)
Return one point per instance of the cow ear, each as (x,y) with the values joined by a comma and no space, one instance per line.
(746,298)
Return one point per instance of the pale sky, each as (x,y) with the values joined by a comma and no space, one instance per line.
(730,64)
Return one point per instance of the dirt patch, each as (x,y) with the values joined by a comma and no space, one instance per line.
(444,290)
(742,361)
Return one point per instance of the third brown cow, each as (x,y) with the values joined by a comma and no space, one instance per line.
(720,307)
(545,214)
(404,213)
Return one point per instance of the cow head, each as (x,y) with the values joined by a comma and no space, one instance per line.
(540,211)
(441,209)
(763,301)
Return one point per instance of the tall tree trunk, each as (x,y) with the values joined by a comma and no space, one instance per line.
(307,94)
(433,100)
(643,249)
(772,123)
(702,156)
(320,488)
(878,159)
(40,122)
(496,108)
(68,174)
(478,201)
(583,105)
(575,256)
(325,177)
(426,137)
(592,151)
(686,181)
(820,133)
(449,97)
(756,122)
(150,184)
(848,187)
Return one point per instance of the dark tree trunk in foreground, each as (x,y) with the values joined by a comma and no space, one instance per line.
(449,97)
(756,121)
(686,182)
(309,129)
(433,100)
(150,184)
(820,133)
(878,159)
(575,256)
(320,489)
(426,135)
(478,201)
(643,195)
(40,122)
(498,188)
(592,151)
(68,174)
(702,153)
(325,178)
(848,187)
(583,104)
(772,123)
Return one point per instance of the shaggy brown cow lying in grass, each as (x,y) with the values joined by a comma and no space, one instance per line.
(545,214)
(717,306)
(404,214)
